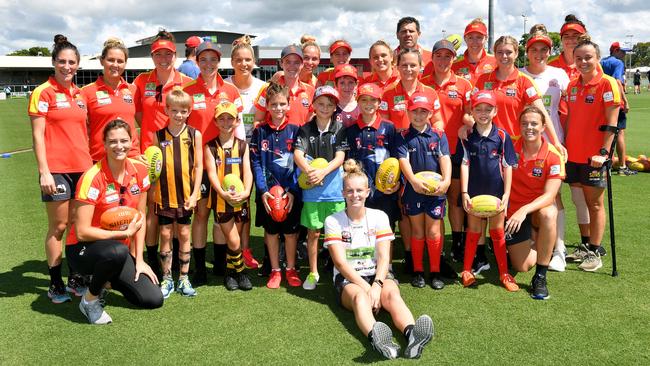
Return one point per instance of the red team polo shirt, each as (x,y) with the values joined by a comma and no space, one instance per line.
(204,103)
(104,105)
(454,95)
(326,77)
(558,61)
(66,136)
(530,176)
(373,78)
(394,103)
(587,105)
(462,66)
(426,56)
(299,102)
(150,100)
(97,187)
(513,94)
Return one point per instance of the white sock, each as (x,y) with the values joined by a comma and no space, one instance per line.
(559,243)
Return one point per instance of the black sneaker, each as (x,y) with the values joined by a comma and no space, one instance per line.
(538,288)
(418,280)
(600,250)
(382,341)
(446,270)
(200,278)
(479,265)
(421,334)
(230,282)
(457,253)
(265,268)
(243,282)
(436,281)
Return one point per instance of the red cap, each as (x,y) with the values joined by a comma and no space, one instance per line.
(614,47)
(541,38)
(339,44)
(345,70)
(369,89)
(572,26)
(484,96)
(327,91)
(193,42)
(476,27)
(163,44)
(420,100)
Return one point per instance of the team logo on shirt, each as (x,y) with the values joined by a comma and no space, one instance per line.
(589,99)
(110,189)
(510,92)
(537,172)
(488,85)
(127,97)
(135,190)
(452,94)
(346,236)
(265,145)
(380,140)
(494,152)
(304,99)
(289,144)
(433,146)
(164,144)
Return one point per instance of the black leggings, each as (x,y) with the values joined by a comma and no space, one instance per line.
(110,261)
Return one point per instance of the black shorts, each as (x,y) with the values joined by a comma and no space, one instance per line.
(622,120)
(167,216)
(340,282)
(291,225)
(525,232)
(455,170)
(66,184)
(242,215)
(389,206)
(206,188)
(586,175)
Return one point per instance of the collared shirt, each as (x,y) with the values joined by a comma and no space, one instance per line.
(299,102)
(371,145)
(454,96)
(204,103)
(66,136)
(587,112)
(150,98)
(426,55)
(104,105)
(394,103)
(323,145)
(326,77)
(190,68)
(99,188)
(271,152)
(423,151)
(512,94)
(487,157)
(374,79)
(559,62)
(471,71)
(529,176)
(347,119)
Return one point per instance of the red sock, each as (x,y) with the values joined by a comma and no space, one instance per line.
(434,246)
(471,242)
(417,253)
(499,244)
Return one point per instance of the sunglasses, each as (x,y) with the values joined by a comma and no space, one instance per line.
(159,93)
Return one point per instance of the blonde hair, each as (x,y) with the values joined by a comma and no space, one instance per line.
(477,21)
(585,40)
(112,43)
(378,43)
(503,40)
(179,98)
(353,169)
(538,30)
(308,40)
(243,42)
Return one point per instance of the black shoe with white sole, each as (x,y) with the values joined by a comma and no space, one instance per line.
(421,334)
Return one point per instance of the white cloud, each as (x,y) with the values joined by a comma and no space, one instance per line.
(87,24)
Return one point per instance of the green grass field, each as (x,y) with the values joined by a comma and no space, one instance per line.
(590,319)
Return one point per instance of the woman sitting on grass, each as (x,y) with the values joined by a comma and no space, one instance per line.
(358,239)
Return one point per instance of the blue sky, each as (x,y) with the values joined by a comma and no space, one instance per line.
(88,23)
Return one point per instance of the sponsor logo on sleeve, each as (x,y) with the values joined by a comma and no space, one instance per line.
(43,106)
(531,91)
(555,169)
(608,96)
(93,193)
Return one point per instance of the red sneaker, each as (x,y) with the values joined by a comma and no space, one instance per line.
(509,282)
(292,278)
(249,261)
(467,278)
(274,279)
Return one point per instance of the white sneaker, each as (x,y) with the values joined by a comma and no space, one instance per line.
(558,262)
(311,281)
(94,312)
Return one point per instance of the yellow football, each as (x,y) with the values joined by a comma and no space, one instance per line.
(318,163)
(432,179)
(456,40)
(387,175)
(154,162)
(485,206)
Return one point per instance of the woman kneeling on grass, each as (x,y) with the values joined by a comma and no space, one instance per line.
(113,257)
(358,239)
(536,181)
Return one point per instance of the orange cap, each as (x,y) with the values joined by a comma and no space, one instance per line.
(484,96)
(369,89)
(572,26)
(163,44)
(339,44)
(420,100)
(345,70)
(541,38)
(193,42)
(476,27)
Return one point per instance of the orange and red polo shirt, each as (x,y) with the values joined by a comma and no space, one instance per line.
(587,105)
(454,95)
(529,176)
(299,102)
(558,61)
(394,103)
(104,105)
(374,78)
(99,188)
(149,99)
(462,66)
(66,135)
(512,94)
(326,78)
(204,103)
(426,55)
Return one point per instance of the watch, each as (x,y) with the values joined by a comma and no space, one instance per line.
(603,151)
(379,282)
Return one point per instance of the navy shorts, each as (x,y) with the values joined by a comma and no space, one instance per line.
(622,120)
(524,233)
(168,216)
(432,206)
(66,184)
(290,225)
(585,174)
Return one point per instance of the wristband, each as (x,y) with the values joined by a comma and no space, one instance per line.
(379,282)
